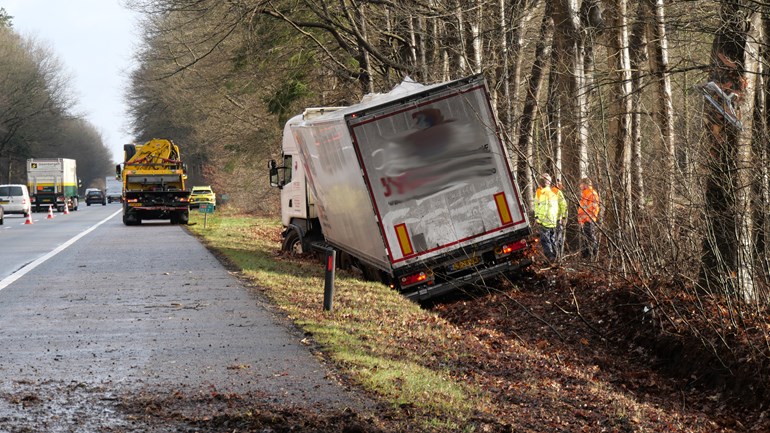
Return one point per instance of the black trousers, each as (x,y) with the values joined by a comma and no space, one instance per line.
(590,242)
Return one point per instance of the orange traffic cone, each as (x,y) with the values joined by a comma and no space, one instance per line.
(50,212)
(29,218)
(66,208)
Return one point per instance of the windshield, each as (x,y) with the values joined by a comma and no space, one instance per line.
(201,191)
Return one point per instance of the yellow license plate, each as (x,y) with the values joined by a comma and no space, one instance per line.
(464,264)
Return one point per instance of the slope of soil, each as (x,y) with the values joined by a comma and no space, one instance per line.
(566,351)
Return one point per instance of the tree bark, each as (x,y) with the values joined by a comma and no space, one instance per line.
(620,111)
(727,261)
(664,112)
(531,103)
(638,53)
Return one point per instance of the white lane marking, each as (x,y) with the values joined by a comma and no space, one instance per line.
(23,271)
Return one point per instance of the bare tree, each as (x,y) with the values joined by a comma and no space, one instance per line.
(524,148)
(620,110)
(665,110)
(727,263)
(34,98)
(638,56)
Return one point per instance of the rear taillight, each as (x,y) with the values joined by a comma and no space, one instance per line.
(422,277)
(504,250)
(132,200)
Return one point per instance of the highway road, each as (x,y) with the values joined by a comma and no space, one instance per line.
(94,313)
(21,243)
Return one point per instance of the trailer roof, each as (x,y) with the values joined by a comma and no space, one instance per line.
(407,87)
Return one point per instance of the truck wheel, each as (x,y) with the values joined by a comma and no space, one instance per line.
(131,219)
(88,203)
(184,217)
(344,261)
(292,244)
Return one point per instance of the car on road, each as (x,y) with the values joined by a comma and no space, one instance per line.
(14,198)
(202,194)
(95,196)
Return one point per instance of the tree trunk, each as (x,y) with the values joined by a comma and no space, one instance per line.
(531,102)
(763,222)
(521,13)
(727,264)
(504,79)
(638,52)
(620,110)
(568,79)
(664,112)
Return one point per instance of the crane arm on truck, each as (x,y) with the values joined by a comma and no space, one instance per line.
(155,152)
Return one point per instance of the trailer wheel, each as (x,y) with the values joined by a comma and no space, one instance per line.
(370,274)
(344,261)
(292,243)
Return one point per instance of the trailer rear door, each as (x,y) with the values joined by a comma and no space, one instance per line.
(437,172)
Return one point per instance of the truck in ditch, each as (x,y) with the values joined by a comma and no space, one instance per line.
(412,187)
(153,183)
(53,183)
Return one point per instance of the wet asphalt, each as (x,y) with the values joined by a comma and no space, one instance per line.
(139,310)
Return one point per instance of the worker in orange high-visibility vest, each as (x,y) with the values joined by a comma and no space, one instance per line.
(588,215)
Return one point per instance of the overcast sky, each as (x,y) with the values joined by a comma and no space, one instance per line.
(95,41)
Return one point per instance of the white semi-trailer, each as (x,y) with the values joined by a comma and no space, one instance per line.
(413,187)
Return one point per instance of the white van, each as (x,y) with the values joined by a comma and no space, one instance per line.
(14,198)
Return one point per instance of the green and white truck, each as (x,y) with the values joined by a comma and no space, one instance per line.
(52,182)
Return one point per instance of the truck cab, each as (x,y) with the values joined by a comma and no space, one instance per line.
(298,211)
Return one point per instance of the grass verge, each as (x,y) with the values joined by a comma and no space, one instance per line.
(383,342)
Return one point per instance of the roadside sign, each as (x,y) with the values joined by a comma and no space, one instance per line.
(206,208)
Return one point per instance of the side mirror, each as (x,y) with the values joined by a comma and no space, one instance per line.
(275,178)
(271,164)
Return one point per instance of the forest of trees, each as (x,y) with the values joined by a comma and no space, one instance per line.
(613,90)
(37,118)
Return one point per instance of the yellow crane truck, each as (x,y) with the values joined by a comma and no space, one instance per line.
(153,178)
